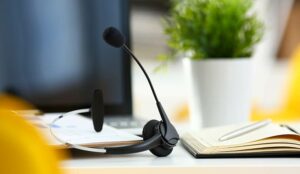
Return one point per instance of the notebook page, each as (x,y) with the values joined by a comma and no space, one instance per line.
(210,137)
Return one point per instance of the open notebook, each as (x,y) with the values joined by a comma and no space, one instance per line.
(79,130)
(271,140)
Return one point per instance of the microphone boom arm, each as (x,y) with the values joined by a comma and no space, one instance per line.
(162,113)
(125,48)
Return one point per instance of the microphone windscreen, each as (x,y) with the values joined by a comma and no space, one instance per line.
(113,37)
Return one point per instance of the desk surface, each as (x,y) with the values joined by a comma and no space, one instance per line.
(180,161)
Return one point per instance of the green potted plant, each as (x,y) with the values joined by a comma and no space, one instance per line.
(216,39)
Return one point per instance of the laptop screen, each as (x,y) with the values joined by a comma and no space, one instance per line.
(52,53)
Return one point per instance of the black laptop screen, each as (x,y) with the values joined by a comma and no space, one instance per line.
(53,55)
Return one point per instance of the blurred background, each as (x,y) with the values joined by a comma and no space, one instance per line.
(52,57)
(271,55)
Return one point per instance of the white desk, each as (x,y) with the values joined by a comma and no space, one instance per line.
(180,161)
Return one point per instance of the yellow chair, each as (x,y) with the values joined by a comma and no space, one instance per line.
(11,102)
(22,149)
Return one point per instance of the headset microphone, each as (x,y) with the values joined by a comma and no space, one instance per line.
(159,136)
(169,135)
(113,37)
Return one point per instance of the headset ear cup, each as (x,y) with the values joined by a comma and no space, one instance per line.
(149,130)
(97,110)
(160,151)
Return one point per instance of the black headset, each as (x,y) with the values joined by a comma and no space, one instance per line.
(158,136)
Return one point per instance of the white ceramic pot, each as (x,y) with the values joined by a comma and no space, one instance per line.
(219,91)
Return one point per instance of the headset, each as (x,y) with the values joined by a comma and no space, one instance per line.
(160,137)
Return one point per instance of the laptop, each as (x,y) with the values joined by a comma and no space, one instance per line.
(52,54)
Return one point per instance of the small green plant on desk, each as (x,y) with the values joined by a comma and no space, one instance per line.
(208,29)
